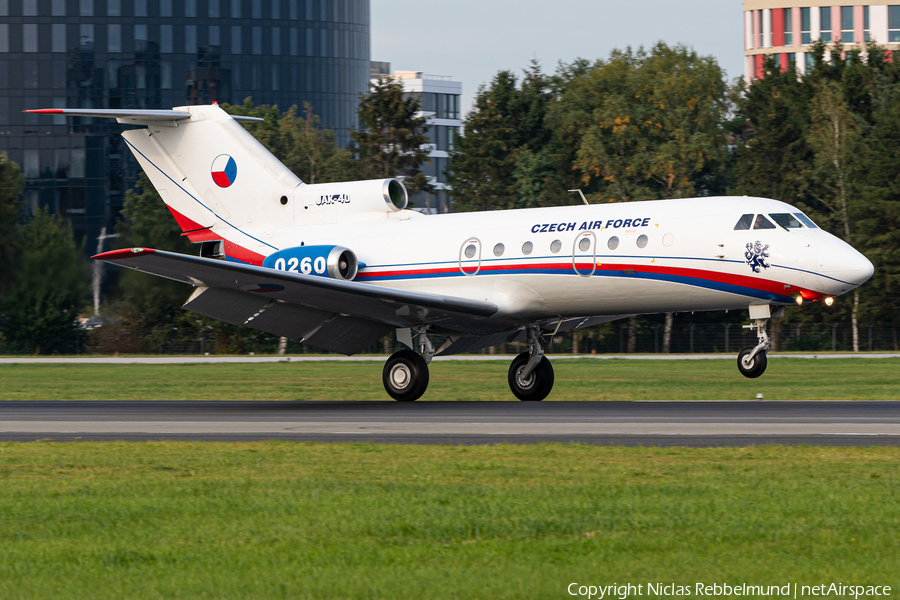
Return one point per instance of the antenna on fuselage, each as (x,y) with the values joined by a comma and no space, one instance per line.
(580,193)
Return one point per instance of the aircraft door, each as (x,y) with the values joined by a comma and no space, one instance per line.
(470,256)
(584,253)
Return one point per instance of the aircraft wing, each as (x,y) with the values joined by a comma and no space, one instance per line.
(340,316)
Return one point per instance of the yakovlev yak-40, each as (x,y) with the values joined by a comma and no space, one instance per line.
(340,265)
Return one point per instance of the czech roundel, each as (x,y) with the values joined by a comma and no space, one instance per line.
(224,170)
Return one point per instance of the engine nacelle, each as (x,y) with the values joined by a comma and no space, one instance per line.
(335,262)
(329,202)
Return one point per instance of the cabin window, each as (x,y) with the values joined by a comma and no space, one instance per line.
(470,250)
(498,249)
(584,244)
(744,222)
(762,223)
(786,220)
(642,241)
(806,220)
(613,243)
(555,246)
(527,248)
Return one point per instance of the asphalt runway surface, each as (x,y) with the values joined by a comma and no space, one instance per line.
(697,424)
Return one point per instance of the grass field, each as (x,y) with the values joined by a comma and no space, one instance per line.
(286,520)
(576,379)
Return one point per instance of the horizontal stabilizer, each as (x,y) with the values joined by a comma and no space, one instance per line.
(137,116)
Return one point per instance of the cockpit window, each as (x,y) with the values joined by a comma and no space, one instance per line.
(786,220)
(762,223)
(806,220)
(744,222)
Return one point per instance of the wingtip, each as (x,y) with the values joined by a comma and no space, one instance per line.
(123,253)
(45,111)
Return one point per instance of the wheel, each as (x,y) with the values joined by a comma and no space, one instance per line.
(755,367)
(405,376)
(536,386)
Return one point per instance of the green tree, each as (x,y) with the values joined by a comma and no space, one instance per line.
(11,182)
(299,142)
(48,288)
(391,140)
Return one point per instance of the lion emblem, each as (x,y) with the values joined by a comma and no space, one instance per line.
(756,256)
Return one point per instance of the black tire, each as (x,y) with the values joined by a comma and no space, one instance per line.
(537,386)
(756,367)
(405,376)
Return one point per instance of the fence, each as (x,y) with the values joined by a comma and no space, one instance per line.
(609,339)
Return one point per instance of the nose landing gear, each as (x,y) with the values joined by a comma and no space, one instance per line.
(531,374)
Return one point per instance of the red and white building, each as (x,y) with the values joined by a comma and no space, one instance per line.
(787,29)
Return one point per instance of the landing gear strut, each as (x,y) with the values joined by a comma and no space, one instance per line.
(752,359)
(531,374)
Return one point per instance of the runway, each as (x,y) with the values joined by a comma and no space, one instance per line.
(621,423)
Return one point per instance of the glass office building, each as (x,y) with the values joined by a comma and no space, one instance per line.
(159,54)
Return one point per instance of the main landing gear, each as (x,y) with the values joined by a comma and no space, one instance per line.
(405,374)
(752,359)
(531,374)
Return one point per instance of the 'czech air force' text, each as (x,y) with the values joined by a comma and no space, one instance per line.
(610,224)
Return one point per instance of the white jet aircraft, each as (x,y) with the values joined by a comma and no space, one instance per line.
(340,265)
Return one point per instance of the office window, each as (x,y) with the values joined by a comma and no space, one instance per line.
(257,77)
(257,41)
(276,9)
(309,42)
(810,62)
(165,75)
(29,38)
(214,9)
(894,23)
(58,35)
(825,21)
(190,8)
(165,8)
(140,32)
(32,167)
(235,9)
(866,35)
(113,8)
(165,39)
(847,24)
(235,40)
(788,27)
(59,74)
(140,8)
(61,162)
(4,37)
(29,8)
(276,78)
(86,34)
(214,35)
(324,39)
(30,71)
(86,8)
(114,38)
(292,10)
(805,28)
(76,162)
(190,39)
(256,9)
(276,41)
(295,42)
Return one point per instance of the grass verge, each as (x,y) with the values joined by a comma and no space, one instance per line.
(288,520)
(576,379)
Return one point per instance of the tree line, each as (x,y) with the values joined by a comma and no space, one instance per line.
(642,124)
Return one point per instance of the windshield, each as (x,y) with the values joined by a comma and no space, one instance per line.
(762,223)
(786,220)
(806,220)
(744,222)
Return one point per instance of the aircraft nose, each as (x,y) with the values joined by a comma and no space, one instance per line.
(840,260)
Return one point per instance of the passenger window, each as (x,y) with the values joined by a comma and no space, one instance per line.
(555,246)
(470,250)
(786,220)
(642,241)
(527,248)
(744,223)
(806,220)
(584,244)
(613,243)
(763,223)
(498,249)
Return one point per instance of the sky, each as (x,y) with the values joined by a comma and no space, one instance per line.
(471,40)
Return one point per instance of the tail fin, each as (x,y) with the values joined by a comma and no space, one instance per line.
(211,173)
